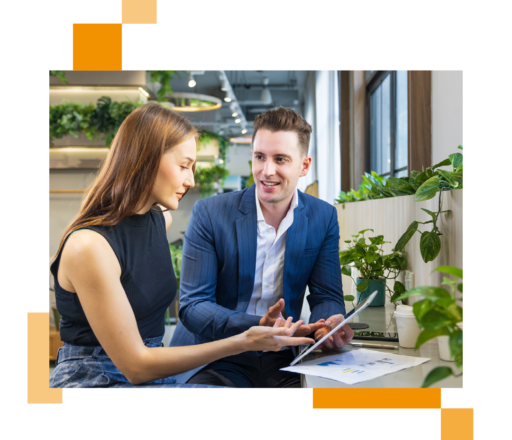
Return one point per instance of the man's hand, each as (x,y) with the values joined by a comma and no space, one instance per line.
(274,313)
(338,339)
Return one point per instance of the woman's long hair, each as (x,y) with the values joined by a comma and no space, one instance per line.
(124,184)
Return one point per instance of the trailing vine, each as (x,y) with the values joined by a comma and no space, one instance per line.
(164,77)
(208,136)
(61,74)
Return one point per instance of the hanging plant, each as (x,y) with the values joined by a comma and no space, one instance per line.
(164,77)
(61,74)
(207,136)
(206,177)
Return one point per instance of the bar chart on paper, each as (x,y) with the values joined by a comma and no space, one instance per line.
(356,366)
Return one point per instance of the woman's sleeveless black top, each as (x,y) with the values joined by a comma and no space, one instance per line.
(147,276)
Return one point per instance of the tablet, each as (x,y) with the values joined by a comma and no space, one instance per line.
(360,307)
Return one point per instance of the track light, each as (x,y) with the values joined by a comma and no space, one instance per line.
(191,81)
(224,84)
(244,131)
(234,114)
(238,120)
(228,98)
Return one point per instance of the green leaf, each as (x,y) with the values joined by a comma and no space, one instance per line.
(427,190)
(421,307)
(444,163)
(455,312)
(415,174)
(371,258)
(460,147)
(347,257)
(435,294)
(363,286)
(456,160)
(436,375)
(427,335)
(365,230)
(433,214)
(346,271)
(434,319)
(447,175)
(430,246)
(455,342)
(399,287)
(404,239)
(459,287)
(451,270)
(349,298)
(348,241)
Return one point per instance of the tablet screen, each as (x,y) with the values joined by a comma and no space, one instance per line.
(361,306)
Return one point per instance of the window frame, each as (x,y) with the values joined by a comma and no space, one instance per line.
(376,78)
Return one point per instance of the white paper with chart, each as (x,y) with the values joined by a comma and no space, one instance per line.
(356,366)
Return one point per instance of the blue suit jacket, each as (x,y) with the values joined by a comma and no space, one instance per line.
(219,262)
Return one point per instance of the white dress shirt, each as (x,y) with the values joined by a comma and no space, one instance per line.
(268,277)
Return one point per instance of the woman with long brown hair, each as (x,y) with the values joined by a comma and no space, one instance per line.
(113,271)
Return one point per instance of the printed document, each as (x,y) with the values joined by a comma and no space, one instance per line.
(356,366)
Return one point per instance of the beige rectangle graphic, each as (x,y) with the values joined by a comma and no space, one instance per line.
(139,11)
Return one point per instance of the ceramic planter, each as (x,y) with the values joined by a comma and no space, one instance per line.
(380,287)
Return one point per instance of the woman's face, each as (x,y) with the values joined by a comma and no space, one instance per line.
(175,174)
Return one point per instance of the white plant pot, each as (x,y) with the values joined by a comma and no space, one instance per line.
(444,348)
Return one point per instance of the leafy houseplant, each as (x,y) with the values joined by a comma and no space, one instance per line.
(206,177)
(61,74)
(207,136)
(424,186)
(434,181)
(438,315)
(375,267)
(75,118)
(163,77)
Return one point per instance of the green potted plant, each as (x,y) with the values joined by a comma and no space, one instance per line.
(374,266)
(439,314)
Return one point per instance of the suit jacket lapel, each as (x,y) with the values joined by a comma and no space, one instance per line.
(246,235)
(295,244)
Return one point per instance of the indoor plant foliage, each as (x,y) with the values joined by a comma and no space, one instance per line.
(61,74)
(438,315)
(424,186)
(375,267)
(206,177)
(207,136)
(434,181)
(75,118)
(164,77)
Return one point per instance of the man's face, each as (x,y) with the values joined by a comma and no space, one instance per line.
(277,164)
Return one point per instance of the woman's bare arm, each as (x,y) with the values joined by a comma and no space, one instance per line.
(90,266)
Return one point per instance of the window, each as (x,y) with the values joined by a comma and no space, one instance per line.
(386,114)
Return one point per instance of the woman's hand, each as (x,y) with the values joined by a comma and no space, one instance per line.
(263,338)
(274,313)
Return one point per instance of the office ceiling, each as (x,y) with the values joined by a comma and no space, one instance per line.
(286,89)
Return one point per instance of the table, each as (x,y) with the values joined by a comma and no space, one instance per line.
(381,319)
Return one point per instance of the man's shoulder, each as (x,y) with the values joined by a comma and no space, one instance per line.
(223,201)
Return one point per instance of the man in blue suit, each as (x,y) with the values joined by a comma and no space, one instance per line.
(249,255)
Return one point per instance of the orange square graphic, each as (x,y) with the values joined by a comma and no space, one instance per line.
(457,424)
(97,46)
(139,11)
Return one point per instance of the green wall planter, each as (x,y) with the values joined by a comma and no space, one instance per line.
(379,300)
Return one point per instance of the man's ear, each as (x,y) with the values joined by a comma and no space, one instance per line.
(306,165)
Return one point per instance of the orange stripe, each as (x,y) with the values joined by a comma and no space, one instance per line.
(139,11)
(376,398)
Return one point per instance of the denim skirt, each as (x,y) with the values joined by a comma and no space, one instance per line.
(90,367)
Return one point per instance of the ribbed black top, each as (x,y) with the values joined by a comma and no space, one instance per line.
(147,276)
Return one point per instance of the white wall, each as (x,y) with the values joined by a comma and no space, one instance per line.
(470,107)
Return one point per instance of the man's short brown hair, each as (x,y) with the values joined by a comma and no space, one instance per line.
(284,119)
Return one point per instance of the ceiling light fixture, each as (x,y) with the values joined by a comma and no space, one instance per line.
(244,131)
(238,120)
(191,80)
(266,97)
(228,98)
(234,114)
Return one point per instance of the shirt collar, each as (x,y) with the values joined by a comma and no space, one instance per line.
(293,205)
